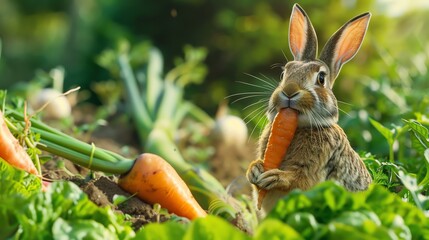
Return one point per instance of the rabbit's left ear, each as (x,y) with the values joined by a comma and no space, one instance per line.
(345,43)
(302,37)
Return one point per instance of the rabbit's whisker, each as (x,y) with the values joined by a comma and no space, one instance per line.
(259,112)
(256,112)
(345,103)
(249,93)
(254,127)
(275,65)
(246,97)
(268,88)
(256,103)
(284,55)
(346,113)
(270,82)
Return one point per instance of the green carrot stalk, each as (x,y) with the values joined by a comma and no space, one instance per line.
(81,153)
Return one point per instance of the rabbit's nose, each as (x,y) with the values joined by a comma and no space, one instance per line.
(291,89)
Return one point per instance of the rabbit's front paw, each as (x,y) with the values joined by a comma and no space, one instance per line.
(255,169)
(274,178)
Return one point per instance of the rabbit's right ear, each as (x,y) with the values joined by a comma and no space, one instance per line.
(344,44)
(302,37)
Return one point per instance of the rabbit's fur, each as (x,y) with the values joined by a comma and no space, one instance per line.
(320,149)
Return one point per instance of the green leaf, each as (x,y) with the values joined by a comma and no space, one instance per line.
(303,222)
(419,138)
(221,208)
(338,230)
(107,60)
(80,229)
(417,144)
(409,181)
(358,219)
(387,133)
(212,227)
(275,229)
(418,128)
(15,181)
(189,69)
(118,199)
(426,154)
(162,231)
(399,227)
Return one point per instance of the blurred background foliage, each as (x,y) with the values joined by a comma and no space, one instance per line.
(387,80)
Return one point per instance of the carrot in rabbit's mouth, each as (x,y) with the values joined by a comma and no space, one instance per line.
(281,135)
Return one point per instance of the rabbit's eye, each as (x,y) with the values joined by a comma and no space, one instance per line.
(321,78)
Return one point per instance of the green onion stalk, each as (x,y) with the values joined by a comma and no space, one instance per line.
(79,152)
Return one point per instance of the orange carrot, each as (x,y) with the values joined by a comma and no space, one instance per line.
(282,133)
(156,181)
(12,152)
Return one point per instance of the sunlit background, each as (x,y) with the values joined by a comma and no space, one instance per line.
(387,80)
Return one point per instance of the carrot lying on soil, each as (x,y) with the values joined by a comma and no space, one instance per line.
(282,133)
(12,152)
(156,181)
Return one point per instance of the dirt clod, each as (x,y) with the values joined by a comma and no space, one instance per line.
(102,191)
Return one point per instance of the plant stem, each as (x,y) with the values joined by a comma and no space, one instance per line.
(138,110)
(31,144)
(391,153)
(83,159)
(81,153)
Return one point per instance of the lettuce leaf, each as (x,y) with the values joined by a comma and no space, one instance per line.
(329,211)
(210,227)
(14,181)
(62,211)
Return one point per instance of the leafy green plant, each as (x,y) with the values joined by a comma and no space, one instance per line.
(420,142)
(406,175)
(382,172)
(328,211)
(63,211)
(198,229)
(391,135)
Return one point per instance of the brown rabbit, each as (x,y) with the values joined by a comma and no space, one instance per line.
(320,149)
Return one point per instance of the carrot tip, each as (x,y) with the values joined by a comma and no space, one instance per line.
(261,196)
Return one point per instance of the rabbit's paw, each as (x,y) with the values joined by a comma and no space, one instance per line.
(254,170)
(273,179)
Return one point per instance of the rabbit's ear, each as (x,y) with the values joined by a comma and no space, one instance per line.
(345,43)
(302,37)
